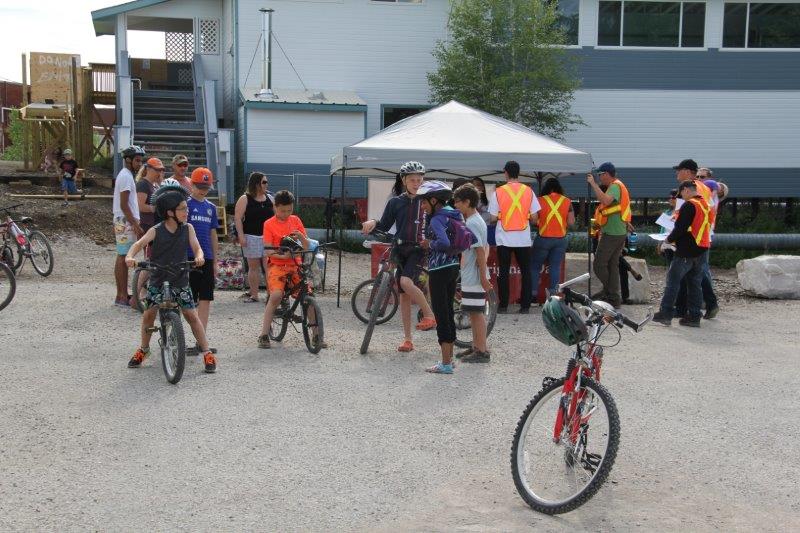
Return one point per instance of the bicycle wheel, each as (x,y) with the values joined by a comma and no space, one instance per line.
(313,332)
(280,322)
(139,288)
(557,477)
(41,253)
(463,324)
(381,295)
(8,285)
(173,346)
(363,297)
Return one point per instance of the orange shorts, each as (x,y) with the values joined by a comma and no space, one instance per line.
(278,275)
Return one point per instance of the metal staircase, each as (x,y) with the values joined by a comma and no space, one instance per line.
(166,123)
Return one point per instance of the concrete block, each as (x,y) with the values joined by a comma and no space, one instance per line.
(771,276)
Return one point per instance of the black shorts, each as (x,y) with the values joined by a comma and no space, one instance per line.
(202,282)
(410,263)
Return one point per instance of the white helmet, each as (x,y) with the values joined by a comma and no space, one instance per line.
(412,167)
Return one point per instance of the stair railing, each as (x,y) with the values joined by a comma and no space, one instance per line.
(206,106)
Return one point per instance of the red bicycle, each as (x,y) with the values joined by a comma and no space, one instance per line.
(567,438)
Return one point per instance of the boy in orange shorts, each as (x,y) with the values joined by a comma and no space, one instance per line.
(281,265)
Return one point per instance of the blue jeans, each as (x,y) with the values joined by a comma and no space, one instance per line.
(550,250)
(690,269)
(709,298)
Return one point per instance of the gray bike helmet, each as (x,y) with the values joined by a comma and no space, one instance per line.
(563,322)
(133,151)
(412,167)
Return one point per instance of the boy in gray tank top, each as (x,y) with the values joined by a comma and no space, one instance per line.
(170,240)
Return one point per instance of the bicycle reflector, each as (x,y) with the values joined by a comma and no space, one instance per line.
(21,239)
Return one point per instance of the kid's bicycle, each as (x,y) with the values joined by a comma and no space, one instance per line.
(8,285)
(172,340)
(567,438)
(298,293)
(370,298)
(21,240)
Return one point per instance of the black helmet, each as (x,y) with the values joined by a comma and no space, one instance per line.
(133,151)
(563,322)
(291,243)
(168,197)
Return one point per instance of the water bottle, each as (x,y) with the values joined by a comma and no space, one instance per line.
(633,239)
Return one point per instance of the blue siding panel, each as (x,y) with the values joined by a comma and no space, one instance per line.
(743,182)
(697,70)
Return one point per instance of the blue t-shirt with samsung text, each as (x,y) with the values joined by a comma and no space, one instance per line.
(203,217)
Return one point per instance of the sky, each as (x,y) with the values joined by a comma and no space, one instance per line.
(62,26)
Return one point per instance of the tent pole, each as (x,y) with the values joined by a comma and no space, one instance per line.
(327,228)
(341,236)
(589,236)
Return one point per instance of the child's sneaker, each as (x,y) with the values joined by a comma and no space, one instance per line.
(210,362)
(440,368)
(138,357)
(263,342)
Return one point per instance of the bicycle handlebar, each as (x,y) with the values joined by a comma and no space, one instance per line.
(183,265)
(575,297)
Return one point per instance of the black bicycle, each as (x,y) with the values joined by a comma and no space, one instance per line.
(8,285)
(21,240)
(298,293)
(172,339)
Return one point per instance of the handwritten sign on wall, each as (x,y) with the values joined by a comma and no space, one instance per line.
(51,76)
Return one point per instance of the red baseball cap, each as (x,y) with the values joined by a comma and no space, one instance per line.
(202,176)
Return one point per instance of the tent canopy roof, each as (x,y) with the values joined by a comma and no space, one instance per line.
(457,140)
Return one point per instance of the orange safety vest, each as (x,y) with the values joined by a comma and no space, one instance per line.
(553,216)
(707,194)
(514,206)
(623,207)
(701,223)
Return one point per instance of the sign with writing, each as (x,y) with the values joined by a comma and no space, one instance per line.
(51,77)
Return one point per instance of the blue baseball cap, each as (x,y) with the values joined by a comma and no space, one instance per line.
(607,167)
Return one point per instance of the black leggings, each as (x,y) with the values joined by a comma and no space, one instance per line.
(442,287)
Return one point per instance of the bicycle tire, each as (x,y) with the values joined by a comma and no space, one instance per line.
(139,288)
(383,292)
(491,317)
(601,473)
(173,346)
(314,334)
(278,327)
(47,254)
(391,308)
(7,256)
(8,285)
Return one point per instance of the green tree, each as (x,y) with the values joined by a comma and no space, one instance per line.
(503,56)
(13,152)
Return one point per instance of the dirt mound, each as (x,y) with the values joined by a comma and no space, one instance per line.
(90,218)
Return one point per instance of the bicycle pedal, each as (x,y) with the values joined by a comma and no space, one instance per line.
(152,329)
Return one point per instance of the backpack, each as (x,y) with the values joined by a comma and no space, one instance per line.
(461,237)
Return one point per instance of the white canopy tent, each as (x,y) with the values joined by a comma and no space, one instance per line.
(455,140)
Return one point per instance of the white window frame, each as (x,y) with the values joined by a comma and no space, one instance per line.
(746,47)
(621,46)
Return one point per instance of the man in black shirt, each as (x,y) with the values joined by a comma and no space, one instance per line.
(688,261)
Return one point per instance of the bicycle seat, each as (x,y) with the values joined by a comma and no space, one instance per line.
(24,220)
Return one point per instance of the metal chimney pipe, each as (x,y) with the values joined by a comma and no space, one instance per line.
(266,39)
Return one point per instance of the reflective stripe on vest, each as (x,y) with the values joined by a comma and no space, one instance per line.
(510,200)
(701,224)
(708,195)
(623,206)
(553,212)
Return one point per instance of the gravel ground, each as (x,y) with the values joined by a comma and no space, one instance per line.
(283,440)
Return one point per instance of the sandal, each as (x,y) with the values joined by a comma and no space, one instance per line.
(426,323)
(407,346)
(249,299)
(440,368)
